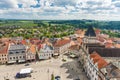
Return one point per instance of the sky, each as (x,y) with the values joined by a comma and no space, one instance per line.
(60,9)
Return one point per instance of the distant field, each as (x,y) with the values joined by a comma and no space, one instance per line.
(18,23)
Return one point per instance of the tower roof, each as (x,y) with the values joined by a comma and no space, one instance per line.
(90,32)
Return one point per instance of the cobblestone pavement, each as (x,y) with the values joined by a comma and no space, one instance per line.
(42,70)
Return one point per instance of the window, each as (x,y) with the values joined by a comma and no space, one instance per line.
(10,58)
(16,57)
(20,56)
(17,52)
(23,51)
(10,52)
(23,56)
(13,57)
(92,75)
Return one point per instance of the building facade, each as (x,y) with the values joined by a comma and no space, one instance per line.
(31,53)
(45,52)
(3,53)
(61,46)
(16,53)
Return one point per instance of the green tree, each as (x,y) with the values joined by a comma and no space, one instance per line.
(52,77)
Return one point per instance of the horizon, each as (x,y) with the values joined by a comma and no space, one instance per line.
(105,10)
(57,19)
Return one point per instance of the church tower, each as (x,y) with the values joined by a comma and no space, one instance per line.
(90,36)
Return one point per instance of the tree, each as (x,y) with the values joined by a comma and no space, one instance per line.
(52,77)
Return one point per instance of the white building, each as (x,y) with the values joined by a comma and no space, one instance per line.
(45,52)
(16,53)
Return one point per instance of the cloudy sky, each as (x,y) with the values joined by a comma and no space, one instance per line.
(60,9)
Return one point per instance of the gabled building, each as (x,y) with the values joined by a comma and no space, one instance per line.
(3,53)
(61,46)
(45,52)
(112,72)
(31,53)
(93,66)
(16,53)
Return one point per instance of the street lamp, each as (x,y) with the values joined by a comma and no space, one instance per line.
(48,73)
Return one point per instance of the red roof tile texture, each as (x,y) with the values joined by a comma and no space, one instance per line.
(61,42)
(33,49)
(4,48)
(99,60)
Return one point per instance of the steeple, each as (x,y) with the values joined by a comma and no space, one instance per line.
(90,32)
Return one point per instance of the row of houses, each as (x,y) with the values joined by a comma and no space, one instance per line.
(30,50)
(93,57)
(96,67)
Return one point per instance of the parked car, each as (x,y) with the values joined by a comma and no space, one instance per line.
(18,75)
(27,64)
(57,77)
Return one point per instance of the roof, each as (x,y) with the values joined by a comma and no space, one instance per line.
(94,45)
(32,49)
(117,45)
(90,32)
(105,52)
(74,47)
(46,47)
(109,45)
(35,41)
(98,59)
(97,31)
(23,42)
(4,48)
(112,71)
(61,42)
(17,47)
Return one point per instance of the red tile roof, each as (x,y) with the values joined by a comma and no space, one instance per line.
(98,59)
(4,48)
(117,45)
(61,42)
(33,49)
(97,31)
(108,45)
(23,42)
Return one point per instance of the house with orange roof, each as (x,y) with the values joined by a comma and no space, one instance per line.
(94,64)
(61,46)
(3,52)
(31,53)
(109,45)
(80,33)
(97,31)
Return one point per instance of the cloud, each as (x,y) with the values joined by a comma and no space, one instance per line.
(60,9)
(8,4)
